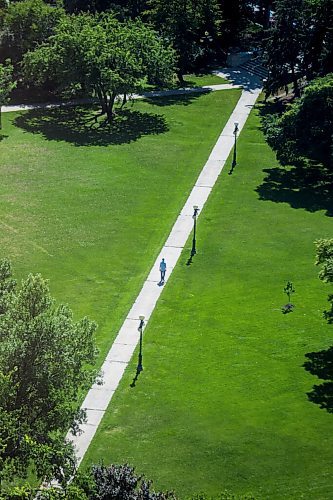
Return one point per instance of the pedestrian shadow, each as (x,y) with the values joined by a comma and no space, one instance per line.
(321,364)
(76,125)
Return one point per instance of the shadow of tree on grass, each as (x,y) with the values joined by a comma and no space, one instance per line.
(76,125)
(321,364)
(310,188)
(179,97)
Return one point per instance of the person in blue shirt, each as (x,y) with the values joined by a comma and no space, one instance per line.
(162,270)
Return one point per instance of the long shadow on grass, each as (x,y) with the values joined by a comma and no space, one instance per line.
(321,364)
(76,125)
(310,188)
(181,98)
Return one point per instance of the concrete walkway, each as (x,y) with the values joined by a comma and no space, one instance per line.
(145,95)
(99,396)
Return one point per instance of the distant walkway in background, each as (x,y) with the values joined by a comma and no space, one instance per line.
(243,83)
(121,352)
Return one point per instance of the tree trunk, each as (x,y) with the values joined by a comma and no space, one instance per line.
(180,78)
(124,100)
(102,99)
(109,107)
(295,82)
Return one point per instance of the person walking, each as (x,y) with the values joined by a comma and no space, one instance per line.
(163,270)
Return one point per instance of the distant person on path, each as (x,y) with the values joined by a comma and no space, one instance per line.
(162,270)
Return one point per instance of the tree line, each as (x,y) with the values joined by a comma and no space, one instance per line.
(298,52)
(156,39)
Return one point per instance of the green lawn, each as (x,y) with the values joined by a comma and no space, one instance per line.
(90,209)
(195,80)
(222,401)
(205,79)
(38,95)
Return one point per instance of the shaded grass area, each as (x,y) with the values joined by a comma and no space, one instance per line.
(78,126)
(40,95)
(198,80)
(90,208)
(223,400)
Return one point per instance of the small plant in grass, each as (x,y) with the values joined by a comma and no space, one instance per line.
(289,290)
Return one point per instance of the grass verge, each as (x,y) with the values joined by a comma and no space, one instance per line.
(90,208)
(222,401)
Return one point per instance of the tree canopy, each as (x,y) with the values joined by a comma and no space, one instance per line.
(27,24)
(304,132)
(7,84)
(131,8)
(102,55)
(324,258)
(192,26)
(45,364)
(299,43)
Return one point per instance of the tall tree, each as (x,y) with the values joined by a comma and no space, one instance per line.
(235,17)
(320,44)
(25,25)
(324,257)
(7,84)
(265,7)
(102,55)
(45,364)
(304,131)
(191,25)
(285,46)
(130,8)
(299,43)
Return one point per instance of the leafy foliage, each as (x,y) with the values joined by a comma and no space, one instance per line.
(304,131)
(101,55)
(324,257)
(235,17)
(286,43)
(27,24)
(192,26)
(7,84)
(115,482)
(44,366)
(299,43)
(131,8)
(122,482)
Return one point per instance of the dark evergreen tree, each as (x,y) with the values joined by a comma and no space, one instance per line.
(299,42)
(320,45)
(192,26)
(129,8)
(235,17)
(285,46)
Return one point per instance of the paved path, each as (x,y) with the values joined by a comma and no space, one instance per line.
(98,397)
(145,95)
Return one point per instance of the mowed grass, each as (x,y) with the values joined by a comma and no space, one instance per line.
(89,208)
(194,80)
(222,401)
